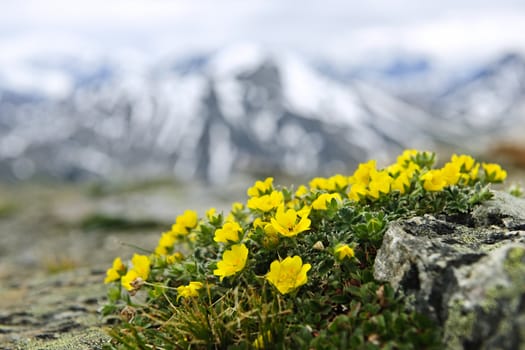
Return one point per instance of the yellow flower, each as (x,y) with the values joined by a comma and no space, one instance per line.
(323,199)
(465,162)
(357,191)
(474,172)
(260,188)
(178,230)
(285,222)
(140,271)
(128,279)
(115,271)
(343,250)
(233,261)
(166,242)
(271,237)
(379,183)
(229,232)
(433,181)
(451,173)
(173,258)
(191,290)
(407,157)
(266,202)
(237,206)
(337,182)
(258,222)
(141,264)
(188,220)
(289,274)
(363,172)
(401,183)
(395,169)
(259,342)
(494,172)
(304,211)
(211,213)
(301,191)
(411,169)
(319,183)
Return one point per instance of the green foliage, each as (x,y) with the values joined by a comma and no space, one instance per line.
(307,280)
(109,222)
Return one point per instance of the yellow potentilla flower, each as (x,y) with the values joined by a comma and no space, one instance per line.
(319,183)
(188,220)
(433,181)
(363,172)
(357,191)
(344,250)
(321,201)
(191,290)
(166,242)
(379,183)
(179,230)
(229,218)
(304,211)
(411,169)
(267,202)
(465,162)
(289,274)
(406,157)
(494,172)
(237,206)
(451,173)
(285,222)
(233,261)
(128,279)
(258,222)
(271,237)
(260,188)
(175,257)
(474,172)
(211,213)
(395,169)
(115,271)
(141,264)
(301,191)
(229,232)
(400,183)
(337,182)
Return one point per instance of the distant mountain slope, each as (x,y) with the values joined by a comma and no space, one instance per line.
(239,109)
(493,97)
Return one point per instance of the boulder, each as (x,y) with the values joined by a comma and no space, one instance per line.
(466,272)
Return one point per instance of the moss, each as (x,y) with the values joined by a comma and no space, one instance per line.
(515,264)
(110,223)
(91,338)
(460,325)
(7,209)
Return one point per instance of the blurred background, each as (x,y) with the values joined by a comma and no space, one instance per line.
(117,115)
(202,90)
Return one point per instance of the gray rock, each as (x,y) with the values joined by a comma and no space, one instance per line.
(465,272)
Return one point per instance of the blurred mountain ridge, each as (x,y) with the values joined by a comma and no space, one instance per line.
(241,109)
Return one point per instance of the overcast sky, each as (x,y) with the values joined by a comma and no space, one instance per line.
(343,31)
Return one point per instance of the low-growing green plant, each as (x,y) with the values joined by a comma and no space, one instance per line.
(292,268)
(104,222)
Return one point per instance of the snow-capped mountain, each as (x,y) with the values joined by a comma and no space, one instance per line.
(239,109)
(491,99)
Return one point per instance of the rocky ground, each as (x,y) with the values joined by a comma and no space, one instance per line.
(56,241)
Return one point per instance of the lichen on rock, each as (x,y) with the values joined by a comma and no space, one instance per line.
(466,272)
